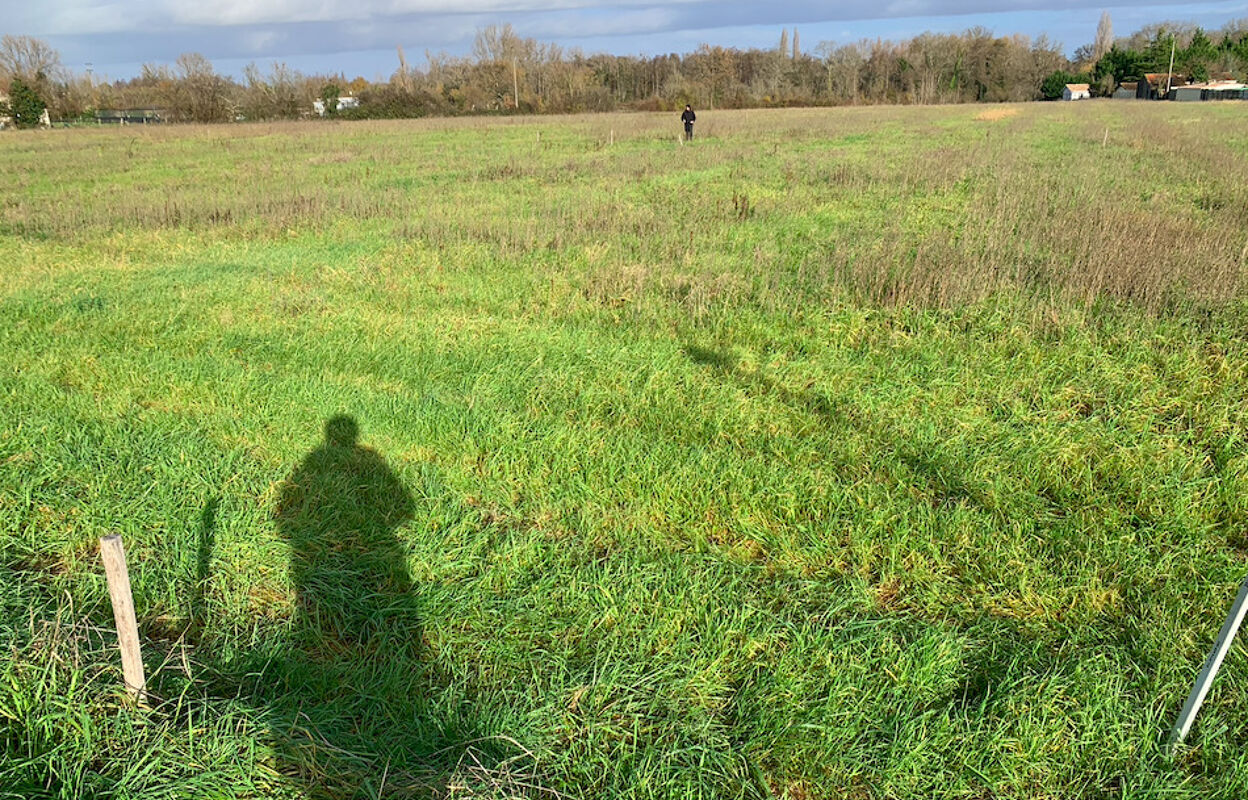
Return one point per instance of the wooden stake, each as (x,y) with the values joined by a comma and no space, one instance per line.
(611,142)
(1220,647)
(114,555)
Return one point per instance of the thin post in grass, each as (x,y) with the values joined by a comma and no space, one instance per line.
(114,556)
(515,85)
(1220,648)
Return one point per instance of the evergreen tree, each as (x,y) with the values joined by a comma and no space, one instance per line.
(1122,65)
(329,96)
(1156,55)
(1055,84)
(25,104)
(1199,56)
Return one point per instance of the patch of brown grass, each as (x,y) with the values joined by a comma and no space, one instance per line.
(996,114)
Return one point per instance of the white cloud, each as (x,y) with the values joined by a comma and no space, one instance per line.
(269,12)
(72,17)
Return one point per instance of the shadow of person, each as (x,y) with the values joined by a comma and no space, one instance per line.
(350,694)
(348,688)
(339,511)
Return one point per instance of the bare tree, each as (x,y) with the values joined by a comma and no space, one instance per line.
(502,55)
(33,60)
(844,70)
(501,44)
(273,95)
(1104,37)
(199,93)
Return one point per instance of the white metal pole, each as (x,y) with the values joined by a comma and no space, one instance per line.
(1174,42)
(1220,648)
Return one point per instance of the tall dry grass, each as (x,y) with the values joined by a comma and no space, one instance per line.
(1142,203)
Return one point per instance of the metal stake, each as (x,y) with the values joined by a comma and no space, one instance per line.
(1220,648)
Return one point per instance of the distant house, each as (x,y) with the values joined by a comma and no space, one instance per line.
(1077,91)
(343,104)
(1216,90)
(1178,87)
(1126,91)
(1224,92)
(129,116)
(1187,94)
(1158,85)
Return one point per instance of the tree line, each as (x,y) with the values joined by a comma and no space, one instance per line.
(509,73)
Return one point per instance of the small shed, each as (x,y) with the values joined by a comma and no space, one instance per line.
(1077,91)
(1214,90)
(1155,85)
(129,116)
(1126,91)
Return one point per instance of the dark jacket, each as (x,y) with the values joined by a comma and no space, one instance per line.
(688,116)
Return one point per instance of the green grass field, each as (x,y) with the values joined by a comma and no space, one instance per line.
(892,453)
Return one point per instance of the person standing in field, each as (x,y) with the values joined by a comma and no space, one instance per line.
(688,117)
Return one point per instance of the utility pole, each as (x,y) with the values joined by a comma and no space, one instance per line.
(1174,41)
(515,85)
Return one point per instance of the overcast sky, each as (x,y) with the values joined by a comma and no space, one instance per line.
(358,37)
